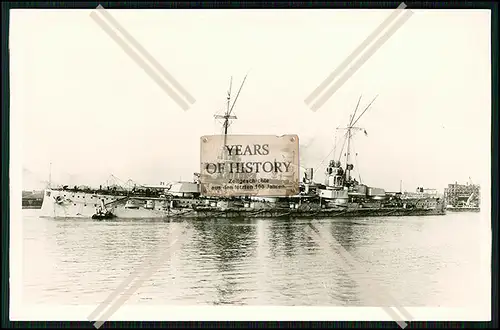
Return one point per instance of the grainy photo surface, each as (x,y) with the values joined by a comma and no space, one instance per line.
(244,164)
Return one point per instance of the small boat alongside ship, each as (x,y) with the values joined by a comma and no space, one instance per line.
(340,195)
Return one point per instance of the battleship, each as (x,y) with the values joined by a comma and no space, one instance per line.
(340,195)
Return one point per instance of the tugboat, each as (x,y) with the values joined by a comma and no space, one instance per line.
(102,213)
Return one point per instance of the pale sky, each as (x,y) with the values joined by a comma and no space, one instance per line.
(91,111)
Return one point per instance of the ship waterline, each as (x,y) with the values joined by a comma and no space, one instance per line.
(74,204)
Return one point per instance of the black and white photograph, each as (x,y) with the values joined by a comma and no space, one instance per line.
(250,164)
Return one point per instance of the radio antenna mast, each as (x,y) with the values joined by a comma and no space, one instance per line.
(227,115)
(350,128)
(50,176)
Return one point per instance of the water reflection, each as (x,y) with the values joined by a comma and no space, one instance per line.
(259,262)
(339,285)
(231,244)
(284,236)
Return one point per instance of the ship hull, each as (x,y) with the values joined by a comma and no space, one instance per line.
(301,214)
(64,204)
(84,205)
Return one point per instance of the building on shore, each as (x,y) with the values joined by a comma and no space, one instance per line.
(32,199)
(463,195)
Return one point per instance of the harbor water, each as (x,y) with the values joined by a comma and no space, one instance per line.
(421,261)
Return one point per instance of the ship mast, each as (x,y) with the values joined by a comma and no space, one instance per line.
(50,175)
(228,114)
(349,134)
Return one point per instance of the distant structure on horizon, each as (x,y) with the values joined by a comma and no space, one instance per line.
(32,199)
(463,196)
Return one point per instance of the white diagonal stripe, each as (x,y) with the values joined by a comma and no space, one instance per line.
(356,64)
(369,53)
(134,55)
(355,53)
(146,54)
(380,295)
(149,266)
